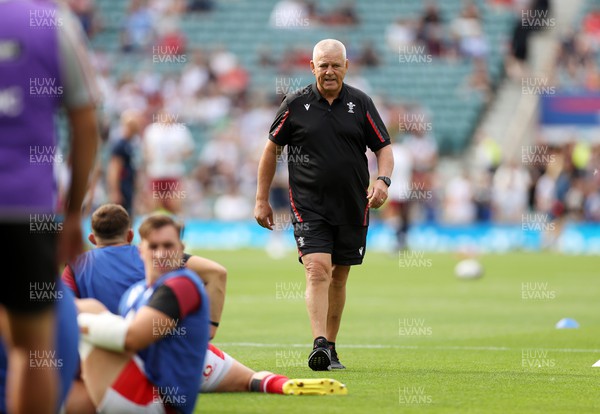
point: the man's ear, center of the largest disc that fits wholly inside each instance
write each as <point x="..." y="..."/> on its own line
<point x="312" y="66"/>
<point x="92" y="239"/>
<point x="129" y="236"/>
<point x="346" y="64"/>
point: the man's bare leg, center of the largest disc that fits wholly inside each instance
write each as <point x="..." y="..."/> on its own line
<point x="318" y="269"/>
<point x="30" y="340"/>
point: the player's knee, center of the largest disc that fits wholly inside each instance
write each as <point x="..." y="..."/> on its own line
<point x="317" y="272"/>
<point x="338" y="283"/>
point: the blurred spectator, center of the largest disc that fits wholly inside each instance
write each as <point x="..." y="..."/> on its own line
<point x="488" y="153"/>
<point x="121" y="171"/>
<point x="368" y="56"/>
<point x="195" y="75"/>
<point x="510" y="192"/>
<point x="400" y="193"/>
<point x="430" y="31"/>
<point x="459" y="207"/>
<point x="401" y="35"/>
<point x="138" y="30"/>
<point x="218" y="163"/>
<point x="482" y="195"/>
<point x="344" y="14"/>
<point x="423" y="149"/>
<point x="477" y="83"/>
<point x="468" y="31"/>
<point x="233" y="206"/>
<point x="167" y="143"/>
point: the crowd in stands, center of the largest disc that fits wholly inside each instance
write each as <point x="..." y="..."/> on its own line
<point x="212" y="93"/>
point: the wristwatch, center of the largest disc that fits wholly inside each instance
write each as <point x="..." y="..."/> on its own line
<point x="385" y="179"/>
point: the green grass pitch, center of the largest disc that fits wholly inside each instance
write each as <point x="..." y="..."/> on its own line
<point x="417" y="340"/>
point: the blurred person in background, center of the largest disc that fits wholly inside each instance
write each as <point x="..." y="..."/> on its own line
<point x="430" y="31"/>
<point x="121" y="171"/>
<point x="468" y="31"/>
<point x="510" y="192"/>
<point x="423" y="149"/>
<point x="400" y="201"/>
<point x="167" y="144"/>
<point x="138" y="30"/>
<point x="459" y="207"/>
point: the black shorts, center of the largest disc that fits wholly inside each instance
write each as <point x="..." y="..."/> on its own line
<point x="346" y="244"/>
<point x="29" y="266"/>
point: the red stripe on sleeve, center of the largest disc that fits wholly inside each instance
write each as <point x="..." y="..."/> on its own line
<point x="68" y="279"/>
<point x="285" y="116"/>
<point x="186" y="293"/>
<point x="375" y="127"/>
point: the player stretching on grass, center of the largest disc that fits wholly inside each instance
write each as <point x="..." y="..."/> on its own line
<point x="158" y="341"/>
<point x="108" y="275"/>
<point x="328" y="126"/>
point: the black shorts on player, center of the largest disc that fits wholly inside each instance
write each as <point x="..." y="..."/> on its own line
<point x="30" y="268"/>
<point x="345" y="243"/>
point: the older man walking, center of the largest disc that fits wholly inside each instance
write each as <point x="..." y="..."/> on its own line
<point x="327" y="126"/>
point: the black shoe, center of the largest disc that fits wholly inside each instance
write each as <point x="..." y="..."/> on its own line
<point x="335" y="362"/>
<point x="320" y="357"/>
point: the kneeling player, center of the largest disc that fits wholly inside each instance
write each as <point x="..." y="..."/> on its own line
<point x="149" y="371"/>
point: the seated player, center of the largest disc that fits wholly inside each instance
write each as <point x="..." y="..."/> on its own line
<point x="106" y="272"/>
<point x="65" y="360"/>
<point x="221" y="372"/>
<point x="132" y="367"/>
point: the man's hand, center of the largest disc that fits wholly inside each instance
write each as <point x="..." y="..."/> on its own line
<point x="378" y="194"/>
<point x="263" y="213"/>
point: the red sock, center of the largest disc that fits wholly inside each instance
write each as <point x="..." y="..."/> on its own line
<point x="273" y="384"/>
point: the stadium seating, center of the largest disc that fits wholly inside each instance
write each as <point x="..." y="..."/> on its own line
<point x="242" y="27"/>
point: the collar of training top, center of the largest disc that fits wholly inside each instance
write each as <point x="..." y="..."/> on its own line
<point x="320" y="97"/>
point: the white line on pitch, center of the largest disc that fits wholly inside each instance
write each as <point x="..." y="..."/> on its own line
<point x="441" y="347"/>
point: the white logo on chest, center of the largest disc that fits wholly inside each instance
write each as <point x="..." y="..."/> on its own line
<point x="350" y="107"/>
<point x="307" y="106"/>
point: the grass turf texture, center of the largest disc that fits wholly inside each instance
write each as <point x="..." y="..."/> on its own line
<point x="466" y="346"/>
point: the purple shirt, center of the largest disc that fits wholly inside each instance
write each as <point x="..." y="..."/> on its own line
<point x="42" y="62"/>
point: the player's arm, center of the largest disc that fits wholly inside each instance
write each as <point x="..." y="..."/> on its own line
<point x="89" y="305"/>
<point x="279" y="136"/>
<point x="263" y="213"/>
<point x="169" y="304"/>
<point x="377" y="139"/>
<point x="214" y="277"/>
<point x="385" y="161"/>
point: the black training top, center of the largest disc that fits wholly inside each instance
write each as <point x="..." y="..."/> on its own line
<point x="326" y="153"/>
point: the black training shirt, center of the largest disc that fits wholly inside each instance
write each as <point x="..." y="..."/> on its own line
<point x="326" y="153"/>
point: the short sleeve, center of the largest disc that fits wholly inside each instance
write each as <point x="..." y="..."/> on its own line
<point x="376" y="133"/>
<point x="280" y="129"/>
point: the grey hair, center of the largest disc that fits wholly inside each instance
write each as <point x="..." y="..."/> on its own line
<point x="329" y="43"/>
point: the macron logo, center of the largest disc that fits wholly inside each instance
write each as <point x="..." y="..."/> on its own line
<point x="307" y="106"/>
